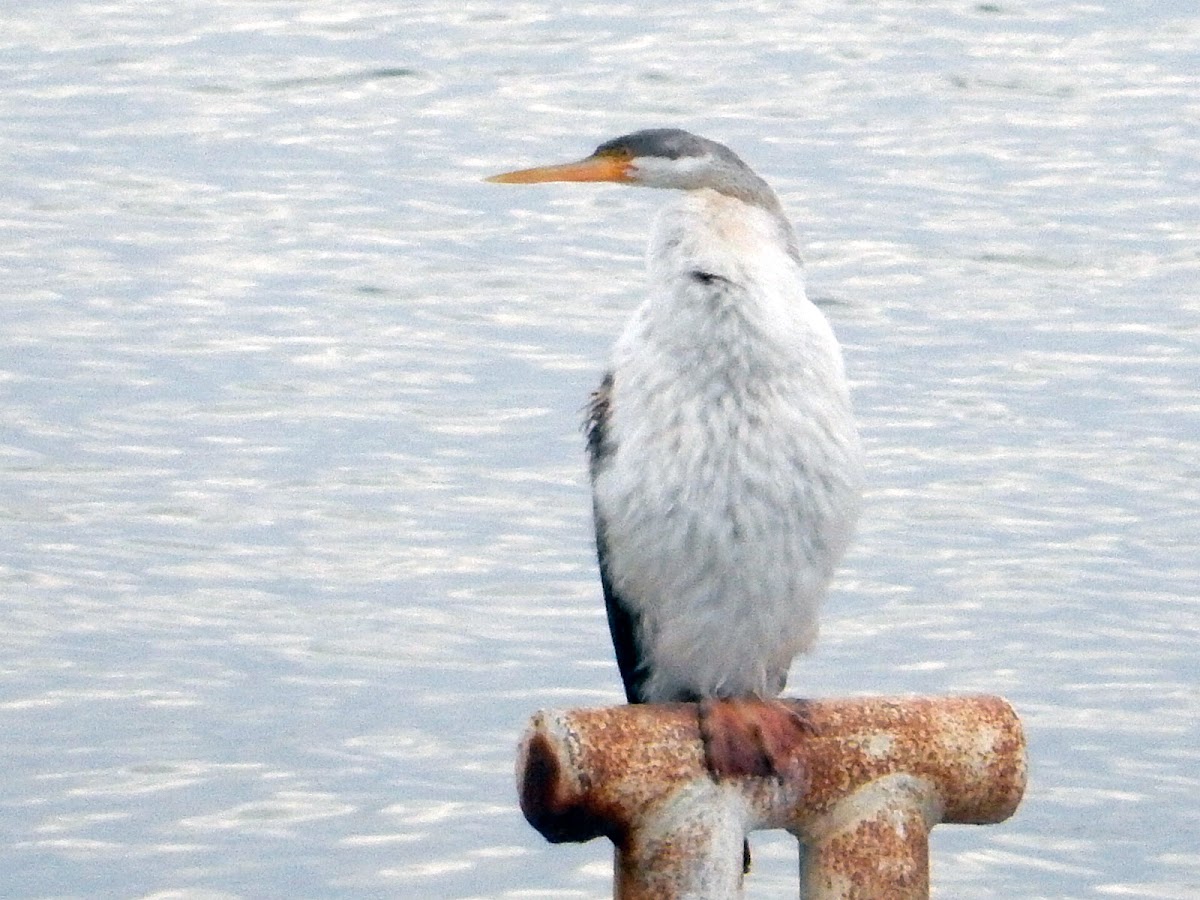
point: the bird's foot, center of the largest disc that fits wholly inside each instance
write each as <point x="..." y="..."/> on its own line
<point x="751" y="737"/>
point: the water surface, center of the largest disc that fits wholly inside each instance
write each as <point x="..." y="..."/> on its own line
<point x="295" y="521"/>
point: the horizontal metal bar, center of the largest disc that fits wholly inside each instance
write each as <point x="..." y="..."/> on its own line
<point x="873" y="778"/>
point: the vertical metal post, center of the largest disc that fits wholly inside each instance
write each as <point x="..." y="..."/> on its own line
<point x="683" y="854"/>
<point x="879" y="848"/>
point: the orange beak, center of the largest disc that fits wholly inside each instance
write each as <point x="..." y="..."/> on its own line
<point x="594" y="168"/>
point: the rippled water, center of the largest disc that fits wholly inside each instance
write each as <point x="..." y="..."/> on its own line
<point x="295" y="523"/>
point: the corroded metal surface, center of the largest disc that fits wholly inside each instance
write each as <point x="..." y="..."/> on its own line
<point x="876" y="776"/>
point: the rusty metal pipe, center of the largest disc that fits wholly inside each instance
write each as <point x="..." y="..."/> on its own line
<point x="878" y="774"/>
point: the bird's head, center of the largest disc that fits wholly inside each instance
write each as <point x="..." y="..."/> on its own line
<point x="661" y="158"/>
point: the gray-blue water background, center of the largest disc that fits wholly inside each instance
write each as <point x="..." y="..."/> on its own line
<point x="294" y="525"/>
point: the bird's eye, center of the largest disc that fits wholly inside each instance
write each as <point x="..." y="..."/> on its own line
<point x="621" y="153"/>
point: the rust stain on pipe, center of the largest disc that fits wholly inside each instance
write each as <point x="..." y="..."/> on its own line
<point x="878" y="774"/>
<point x="971" y="747"/>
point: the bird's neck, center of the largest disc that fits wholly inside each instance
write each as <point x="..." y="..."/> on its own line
<point x="745" y="244"/>
<point x="727" y="292"/>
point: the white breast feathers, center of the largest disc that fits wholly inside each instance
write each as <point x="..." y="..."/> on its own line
<point x="733" y="484"/>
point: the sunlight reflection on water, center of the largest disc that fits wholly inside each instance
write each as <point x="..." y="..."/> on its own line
<point x="297" y="530"/>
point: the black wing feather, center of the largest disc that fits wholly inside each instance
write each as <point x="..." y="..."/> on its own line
<point x="623" y="624"/>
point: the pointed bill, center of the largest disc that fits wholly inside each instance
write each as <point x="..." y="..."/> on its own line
<point x="594" y="168"/>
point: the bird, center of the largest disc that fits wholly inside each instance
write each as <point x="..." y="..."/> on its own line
<point x="724" y="457"/>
